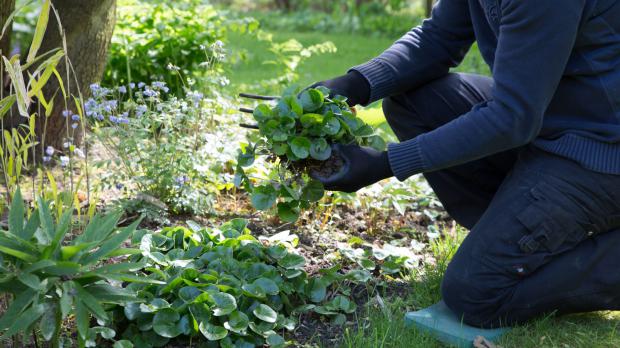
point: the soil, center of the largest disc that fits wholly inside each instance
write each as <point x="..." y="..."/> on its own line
<point x="327" y="168"/>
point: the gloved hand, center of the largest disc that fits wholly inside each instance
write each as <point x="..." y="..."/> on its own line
<point x="363" y="166"/>
<point x="353" y="85"/>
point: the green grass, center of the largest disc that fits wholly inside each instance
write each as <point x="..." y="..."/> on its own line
<point x="383" y="326"/>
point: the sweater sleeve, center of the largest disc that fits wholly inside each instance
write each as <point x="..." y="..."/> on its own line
<point x="535" y="42"/>
<point x="423" y="54"/>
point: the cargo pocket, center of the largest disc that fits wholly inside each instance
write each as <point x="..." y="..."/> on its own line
<point x="557" y="219"/>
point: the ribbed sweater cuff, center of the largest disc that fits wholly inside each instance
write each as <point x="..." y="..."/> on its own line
<point x="379" y="78"/>
<point x="406" y="159"/>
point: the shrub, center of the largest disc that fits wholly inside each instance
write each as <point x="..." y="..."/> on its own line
<point x="152" y="36"/>
<point x="296" y="135"/>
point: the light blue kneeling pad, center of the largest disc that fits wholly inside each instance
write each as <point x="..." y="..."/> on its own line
<point x="439" y="321"/>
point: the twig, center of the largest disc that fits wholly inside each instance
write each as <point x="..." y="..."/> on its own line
<point x="247" y="110"/>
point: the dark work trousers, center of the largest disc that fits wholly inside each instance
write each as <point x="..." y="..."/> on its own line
<point x="545" y="232"/>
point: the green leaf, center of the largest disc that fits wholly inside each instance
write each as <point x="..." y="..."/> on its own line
<point x="237" y="322"/>
<point x="320" y="149"/>
<point x="275" y="340"/>
<point x="311" y="120"/>
<point x="279" y="148"/>
<point x="48" y="322"/>
<point x="317" y="290"/>
<point x="6" y="104"/>
<point x="246" y="156"/>
<point x="269" y="286"/>
<point x="224" y="303"/>
<point x="262" y="113"/>
<point x="311" y="100"/>
<point x="31" y="226"/>
<point x="111" y="244"/>
<point x="292" y="261"/>
<point x="377" y="143"/>
<point x="300" y="147"/>
<point x="344" y="304"/>
<point x="91" y="302"/>
<point x="212" y="332"/>
<point x="165" y="323"/>
<point x="39" y="31"/>
<point x="265" y="313"/>
<point x="99" y="228"/>
<point x="189" y="293"/>
<point x="313" y="191"/>
<point x="331" y="125"/>
<point x="19" y="304"/>
<point x="27" y="318"/>
<point x="253" y="290"/>
<point x="16" y="215"/>
<point x="288" y="213"/>
<point x="82" y="318"/>
<point x="47" y="222"/>
<point x="123" y="344"/>
<point x="30" y="280"/>
<point x="264" y="197"/>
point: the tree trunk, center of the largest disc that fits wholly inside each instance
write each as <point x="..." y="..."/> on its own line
<point x="429" y="7"/>
<point x="88" y="26"/>
<point x="6" y="8"/>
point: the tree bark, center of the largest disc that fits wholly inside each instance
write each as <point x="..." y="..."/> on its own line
<point x="429" y="7"/>
<point x="6" y="8"/>
<point x="88" y="26"/>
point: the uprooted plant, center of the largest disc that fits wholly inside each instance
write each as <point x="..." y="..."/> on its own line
<point x="296" y="136"/>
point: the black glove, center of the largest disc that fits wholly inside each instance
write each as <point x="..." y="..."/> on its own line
<point x="353" y="85"/>
<point x="363" y="166"/>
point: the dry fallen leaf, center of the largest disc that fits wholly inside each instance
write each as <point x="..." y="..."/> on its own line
<point x="481" y="342"/>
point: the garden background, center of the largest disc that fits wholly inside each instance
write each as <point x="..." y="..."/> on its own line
<point x="134" y="215"/>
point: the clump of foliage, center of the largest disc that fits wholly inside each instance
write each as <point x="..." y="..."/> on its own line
<point x="296" y="135"/>
<point x="224" y="285"/>
<point x="52" y="274"/>
<point x="151" y="36"/>
<point x="172" y="149"/>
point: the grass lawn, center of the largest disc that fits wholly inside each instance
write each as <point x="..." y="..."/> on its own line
<point x="384" y="324"/>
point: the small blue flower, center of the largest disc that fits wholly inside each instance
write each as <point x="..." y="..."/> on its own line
<point x="67" y="113"/>
<point x="141" y="110"/>
<point x="64" y="161"/>
<point x="47" y="159"/>
<point x="119" y="186"/>
<point x="113" y="119"/>
<point x="150" y="93"/>
<point x="122" y="89"/>
<point x="74" y="126"/>
<point x="132" y="85"/>
<point x="49" y="151"/>
<point x="124" y="121"/>
<point x="75" y="117"/>
<point x="159" y="84"/>
<point x="141" y="85"/>
<point x="95" y="87"/>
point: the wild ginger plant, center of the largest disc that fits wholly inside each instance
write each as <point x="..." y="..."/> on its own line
<point x="296" y="136"/>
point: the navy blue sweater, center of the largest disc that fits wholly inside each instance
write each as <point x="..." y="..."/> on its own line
<point x="556" y="71"/>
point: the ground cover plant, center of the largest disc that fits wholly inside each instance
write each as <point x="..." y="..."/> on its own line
<point x="297" y="135"/>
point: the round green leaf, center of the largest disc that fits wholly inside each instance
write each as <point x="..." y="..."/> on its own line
<point x="270" y="287"/>
<point x="311" y="100"/>
<point x="318" y="290"/>
<point x="212" y="332"/>
<point x="313" y="191"/>
<point x="300" y="147"/>
<point x="264" y="197"/>
<point x="310" y="120"/>
<point x="253" y="290"/>
<point x="331" y="125"/>
<point x="224" y="303"/>
<point x="189" y="293"/>
<point x="279" y="148"/>
<point x="377" y="143"/>
<point x="320" y="149"/>
<point x="262" y="113"/>
<point x="275" y="340"/>
<point x="292" y="261"/>
<point x="265" y="313"/>
<point x="237" y="322"/>
<point x="165" y="323"/>
<point x="288" y="213"/>
<point x="123" y="344"/>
